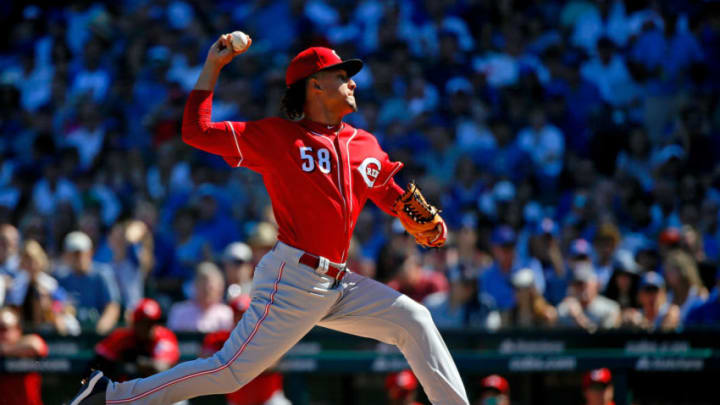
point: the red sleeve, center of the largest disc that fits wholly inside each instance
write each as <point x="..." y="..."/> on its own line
<point x="111" y="347"/>
<point x="239" y="143"/>
<point x="385" y="191"/>
<point x="214" y="341"/>
<point x="385" y="197"/>
<point x="42" y="348"/>
<point x="166" y="346"/>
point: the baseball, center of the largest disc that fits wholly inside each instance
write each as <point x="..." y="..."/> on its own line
<point x="240" y="41"/>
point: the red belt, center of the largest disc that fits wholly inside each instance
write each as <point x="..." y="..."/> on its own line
<point x="330" y="269"/>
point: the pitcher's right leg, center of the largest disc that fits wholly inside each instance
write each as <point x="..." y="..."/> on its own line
<point x="282" y="311"/>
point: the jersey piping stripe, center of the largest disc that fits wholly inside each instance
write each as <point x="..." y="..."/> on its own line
<point x="221" y="367"/>
<point x="390" y="176"/>
<point x="347" y="155"/>
<point x="237" y="145"/>
<point x="339" y="167"/>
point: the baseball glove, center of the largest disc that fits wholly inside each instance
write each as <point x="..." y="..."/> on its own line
<point x="420" y="219"/>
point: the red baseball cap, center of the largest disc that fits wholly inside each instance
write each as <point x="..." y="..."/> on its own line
<point x="315" y="59"/>
<point x="400" y="384"/>
<point x="597" y="376"/>
<point x="496" y="382"/>
<point x="147" y="309"/>
<point x="240" y="303"/>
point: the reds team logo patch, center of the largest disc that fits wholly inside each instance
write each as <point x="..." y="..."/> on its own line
<point x="369" y="170"/>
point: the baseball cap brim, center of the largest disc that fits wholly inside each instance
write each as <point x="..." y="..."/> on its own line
<point x="350" y="66"/>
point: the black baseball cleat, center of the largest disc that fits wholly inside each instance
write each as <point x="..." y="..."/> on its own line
<point x="92" y="391"/>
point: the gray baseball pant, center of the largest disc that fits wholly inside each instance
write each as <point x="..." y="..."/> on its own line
<point x="288" y="299"/>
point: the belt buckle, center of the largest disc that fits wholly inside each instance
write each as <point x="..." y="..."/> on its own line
<point x="323" y="265"/>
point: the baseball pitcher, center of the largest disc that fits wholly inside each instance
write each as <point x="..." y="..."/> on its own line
<point x="319" y="172"/>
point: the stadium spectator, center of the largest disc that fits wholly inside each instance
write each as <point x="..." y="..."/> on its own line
<point x="262" y="239"/>
<point x="606" y="241"/>
<point x="584" y="307"/>
<point x="91" y="287"/>
<point x="461" y="305"/>
<point x="213" y="224"/>
<point x="237" y="263"/>
<point x="656" y="312"/>
<point x="545" y="144"/>
<point x="205" y="312"/>
<point x="545" y="246"/>
<point x="496" y="279"/>
<point x="39" y="297"/>
<point x="598" y="387"/>
<point x="131" y="247"/>
<point x="494" y="390"/>
<point x="685" y="289"/>
<point x="19" y="388"/>
<point x="401" y="388"/>
<point x="190" y="250"/>
<point x="410" y="278"/>
<point x="265" y="389"/>
<point x="609" y="72"/>
<point x="530" y="310"/>
<point x="707" y="313"/>
<point x="625" y="281"/>
<point x="139" y="350"/>
<point x="9" y="258"/>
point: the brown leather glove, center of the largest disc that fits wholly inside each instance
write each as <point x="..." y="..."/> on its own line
<point x="420" y="219"/>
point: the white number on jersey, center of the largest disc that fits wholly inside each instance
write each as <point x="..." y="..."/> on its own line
<point x="323" y="159"/>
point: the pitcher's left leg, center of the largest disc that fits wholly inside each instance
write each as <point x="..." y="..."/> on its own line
<point x="371" y="309"/>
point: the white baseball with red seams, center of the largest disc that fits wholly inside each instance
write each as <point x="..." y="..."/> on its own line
<point x="239" y="40"/>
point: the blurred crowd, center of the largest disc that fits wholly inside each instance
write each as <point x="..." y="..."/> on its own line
<point x="573" y="146"/>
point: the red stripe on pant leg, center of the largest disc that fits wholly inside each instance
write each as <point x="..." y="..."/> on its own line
<point x="220" y="368"/>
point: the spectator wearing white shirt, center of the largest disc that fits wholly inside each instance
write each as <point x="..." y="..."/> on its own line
<point x="205" y="312"/>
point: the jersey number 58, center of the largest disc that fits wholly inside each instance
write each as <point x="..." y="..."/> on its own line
<point x="323" y="159"/>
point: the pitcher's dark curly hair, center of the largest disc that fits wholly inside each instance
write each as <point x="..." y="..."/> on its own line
<point x="293" y="102"/>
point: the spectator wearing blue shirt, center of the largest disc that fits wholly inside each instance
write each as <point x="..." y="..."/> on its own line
<point x="496" y="279"/>
<point x="461" y="306"/>
<point x="708" y="312"/>
<point x="90" y="286"/>
<point x="545" y="246"/>
<point x="214" y="223"/>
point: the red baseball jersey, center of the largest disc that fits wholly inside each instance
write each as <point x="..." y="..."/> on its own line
<point x="122" y="343"/>
<point x="318" y="177"/>
<point x="257" y="391"/>
<point x="22" y="388"/>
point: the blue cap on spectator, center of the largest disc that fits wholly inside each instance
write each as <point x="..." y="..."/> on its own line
<point x="546" y="227"/>
<point x="646" y="245"/>
<point x="458" y="84"/>
<point x="652" y="279"/>
<point x="504" y="235"/>
<point x="503" y="191"/>
<point x="533" y="212"/>
<point x="579" y="248"/>
<point x="667" y="153"/>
